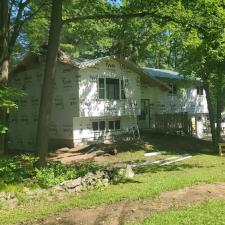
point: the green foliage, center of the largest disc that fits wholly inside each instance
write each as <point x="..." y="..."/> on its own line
<point x="18" y="169"/>
<point x="116" y="175"/>
<point x="8" y="96"/>
<point x="56" y="173"/>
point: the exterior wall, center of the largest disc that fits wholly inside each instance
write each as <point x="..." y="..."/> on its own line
<point x="186" y="100"/>
<point x="93" y="109"/>
<point x="23" y="123"/>
<point x="92" y="106"/>
<point x="65" y="106"/>
<point x="83" y="133"/>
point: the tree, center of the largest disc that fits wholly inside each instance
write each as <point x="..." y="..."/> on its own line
<point x="47" y="90"/>
<point x="13" y="15"/>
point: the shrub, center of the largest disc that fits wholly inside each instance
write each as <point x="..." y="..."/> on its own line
<point x="17" y="168"/>
<point x="56" y="173"/>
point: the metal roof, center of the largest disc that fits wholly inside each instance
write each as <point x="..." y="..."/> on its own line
<point x="168" y="74"/>
<point x="163" y="73"/>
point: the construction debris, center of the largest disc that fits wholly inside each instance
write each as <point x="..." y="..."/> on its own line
<point x="175" y="159"/>
<point x="149" y="154"/>
<point x="163" y="162"/>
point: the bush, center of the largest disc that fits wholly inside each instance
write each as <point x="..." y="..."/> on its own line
<point x="56" y="173"/>
<point x="18" y="169"/>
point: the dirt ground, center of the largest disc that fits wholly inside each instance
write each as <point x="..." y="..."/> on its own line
<point x="125" y="211"/>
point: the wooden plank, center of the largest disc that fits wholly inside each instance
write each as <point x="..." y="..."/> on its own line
<point x="149" y="154"/>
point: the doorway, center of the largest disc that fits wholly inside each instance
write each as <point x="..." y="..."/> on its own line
<point x="144" y="119"/>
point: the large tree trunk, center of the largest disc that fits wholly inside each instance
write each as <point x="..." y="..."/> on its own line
<point x="4" y="63"/>
<point x="211" y="114"/>
<point x="47" y="88"/>
<point x="219" y="108"/>
<point x="219" y="103"/>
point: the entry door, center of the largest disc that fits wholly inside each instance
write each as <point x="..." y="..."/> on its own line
<point x="144" y="118"/>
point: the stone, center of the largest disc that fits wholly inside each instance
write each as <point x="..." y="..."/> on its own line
<point x="105" y="182"/>
<point x="70" y="184"/>
<point x="129" y="173"/>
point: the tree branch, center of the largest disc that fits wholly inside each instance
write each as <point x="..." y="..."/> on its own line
<point x="182" y="21"/>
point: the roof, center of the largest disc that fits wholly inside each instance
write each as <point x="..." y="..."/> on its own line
<point x="86" y="63"/>
<point x="80" y="62"/>
<point x="168" y="74"/>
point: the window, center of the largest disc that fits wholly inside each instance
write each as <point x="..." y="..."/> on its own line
<point x="98" y="125"/>
<point x="114" y="125"/>
<point x="111" y="125"/>
<point x="117" y="125"/>
<point x="122" y="89"/>
<point x="95" y="126"/>
<point x="112" y="88"/>
<point x="101" y="88"/>
<point x="199" y="90"/>
<point x="173" y="89"/>
<point x="101" y="125"/>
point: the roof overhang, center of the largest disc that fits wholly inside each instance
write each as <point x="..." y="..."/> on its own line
<point x="145" y="77"/>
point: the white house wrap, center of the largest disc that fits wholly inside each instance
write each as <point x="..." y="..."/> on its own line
<point x="93" y="100"/>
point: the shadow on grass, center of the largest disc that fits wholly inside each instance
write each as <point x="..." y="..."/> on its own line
<point x="175" y="144"/>
<point x="165" y="168"/>
<point x="172" y="144"/>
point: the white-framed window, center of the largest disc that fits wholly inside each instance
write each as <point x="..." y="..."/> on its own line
<point x="200" y="90"/>
<point x="114" y="124"/>
<point x="111" y="88"/>
<point x="98" y="125"/>
<point x="173" y="90"/>
<point x="102" y="125"/>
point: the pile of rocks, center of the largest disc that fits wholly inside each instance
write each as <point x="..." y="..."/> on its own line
<point x="87" y="182"/>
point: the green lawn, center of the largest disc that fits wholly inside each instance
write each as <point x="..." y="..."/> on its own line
<point x="207" y="213"/>
<point x="148" y="182"/>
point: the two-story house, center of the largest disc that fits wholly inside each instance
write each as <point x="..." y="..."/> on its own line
<point x="93" y="100"/>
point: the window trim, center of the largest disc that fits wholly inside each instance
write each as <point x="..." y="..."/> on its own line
<point x="107" y="125"/>
<point x="121" y="89"/>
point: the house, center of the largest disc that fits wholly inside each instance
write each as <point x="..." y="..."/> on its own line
<point x="186" y="95"/>
<point x="93" y="100"/>
<point x="97" y="100"/>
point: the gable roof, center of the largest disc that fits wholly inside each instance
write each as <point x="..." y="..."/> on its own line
<point x="87" y="63"/>
<point x="167" y="74"/>
<point x="80" y="63"/>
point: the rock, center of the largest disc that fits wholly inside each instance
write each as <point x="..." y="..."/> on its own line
<point x="129" y="173"/>
<point x="100" y="174"/>
<point x="105" y="182"/>
<point x="70" y="184"/>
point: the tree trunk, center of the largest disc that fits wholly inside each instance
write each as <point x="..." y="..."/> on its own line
<point x="47" y="88"/>
<point x="211" y="114"/>
<point x="219" y="103"/>
<point x="4" y="63"/>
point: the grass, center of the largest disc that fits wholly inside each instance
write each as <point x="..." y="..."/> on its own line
<point x="207" y="213"/>
<point x="148" y="182"/>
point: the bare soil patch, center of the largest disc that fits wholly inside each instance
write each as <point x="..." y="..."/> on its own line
<point x="119" y="213"/>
